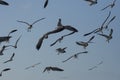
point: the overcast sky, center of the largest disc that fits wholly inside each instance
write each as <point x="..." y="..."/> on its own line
<point x="76" y="13"/>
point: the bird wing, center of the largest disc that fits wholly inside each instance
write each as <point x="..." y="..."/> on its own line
<point x="12" y="31"/>
<point x="111" y="32"/>
<point x="68" y="27"/>
<point x="37" y="20"/>
<point x="23" y="22"/>
<point x="3" y="3"/>
<point x="106" y="7"/>
<point x="6" y="69"/>
<point x="56" y="69"/>
<point x="104" y="35"/>
<point x="17" y="41"/>
<point x="68" y="59"/>
<point x="82" y="52"/>
<point x="45" y="69"/>
<point x="91" y="39"/>
<point x="46" y="3"/>
<point x="59" y="39"/>
<point x="12" y="56"/>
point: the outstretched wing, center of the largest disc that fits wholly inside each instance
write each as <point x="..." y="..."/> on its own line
<point x="57" y="69"/>
<point x="12" y="31"/>
<point x="12" y="56"/>
<point x="68" y="58"/>
<point x="106" y="7"/>
<point x="17" y="41"/>
<point x="23" y="22"/>
<point x="46" y="3"/>
<point x="111" y="32"/>
<point x="37" y="20"/>
<point x="3" y="3"/>
<point x="70" y="28"/>
<point x="91" y="39"/>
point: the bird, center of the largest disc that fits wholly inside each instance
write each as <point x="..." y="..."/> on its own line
<point x="15" y="46"/>
<point x="61" y="50"/>
<point x="85" y="44"/>
<point x="2" y="49"/>
<point x="30" y="25"/>
<point x="58" y="29"/>
<point x="92" y="2"/>
<point x="110" y="5"/>
<point x="11" y="58"/>
<point x="6" y="69"/>
<point x="46" y="3"/>
<point x="32" y="66"/>
<point x="52" y="68"/>
<point x="108" y="37"/>
<point x="12" y="31"/>
<point x="74" y="56"/>
<point x="4" y="3"/>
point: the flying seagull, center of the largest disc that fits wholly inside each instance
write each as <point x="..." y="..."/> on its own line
<point x="53" y="69"/>
<point x="3" y="3"/>
<point x="74" y="56"/>
<point x="6" y="69"/>
<point x="110" y="5"/>
<point x="85" y="44"/>
<point x="92" y="2"/>
<point x="46" y="3"/>
<point x="32" y="66"/>
<point x="108" y="37"/>
<point x="11" y="58"/>
<point x="30" y="25"/>
<point x="61" y="50"/>
<point x="58" y="29"/>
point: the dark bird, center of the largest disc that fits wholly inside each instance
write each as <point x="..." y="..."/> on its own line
<point x="61" y="50"/>
<point x="2" y="49"/>
<point x="30" y="25"/>
<point x="108" y="37"/>
<point x="46" y="3"/>
<point x="92" y="2"/>
<point x="3" y="3"/>
<point x="53" y="69"/>
<point x="32" y="66"/>
<point x="59" y="28"/>
<point x="74" y="56"/>
<point x="85" y="44"/>
<point x="11" y="58"/>
<point x="6" y="69"/>
<point x="16" y="43"/>
<point x="110" y="5"/>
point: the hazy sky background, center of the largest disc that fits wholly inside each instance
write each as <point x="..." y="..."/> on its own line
<point x="76" y="13"/>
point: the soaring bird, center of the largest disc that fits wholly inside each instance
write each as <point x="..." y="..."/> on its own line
<point x="110" y="5"/>
<point x="46" y="3"/>
<point x="32" y="66"/>
<point x="92" y="2"/>
<point x="85" y="44"/>
<point x="53" y="69"/>
<point x="3" y="3"/>
<point x="30" y="25"/>
<point x="15" y="46"/>
<point x="11" y="58"/>
<point x="2" y="49"/>
<point x="108" y="37"/>
<point x="74" y="56"/>
<point x="6" y="69"/>
<point x="58" y="29"/>
<point x="61" y="50"/>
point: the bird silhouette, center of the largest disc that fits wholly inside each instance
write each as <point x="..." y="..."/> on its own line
<point x="32" y="66"/>
<point x="3" y="3"/>
<point x="11" y="58"/>
<point x="30" y="25"/>
<point x="6" y="69"/>
<point x="16" y="43"/>
<point x="92" y="2"/>
<point x="46" y="3"/>
<point x="108" y="37"/>
<point x="110" y="5"/>
<point x="85" y="44"/>
<point x="53" y="69"/>
<point x="61" y="50"/>
<point x="74" y="56"/>
<point x="58" y="29"/>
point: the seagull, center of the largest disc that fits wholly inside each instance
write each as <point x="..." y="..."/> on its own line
<point x="92" y="2"/>
<point x="11" y="58"/>
<point x="58" y="29"/>
<point x="6" y="69"/>
<point x="85" y="44"/>
<point x="46" y="3"/>
<point x="61" y="50"/>
<point x="30" y="25"/>
<point x="15" y="46"/>
<point x="32" y="66"/>
<point x="53" y="69"/>
<point x="3" y="48"/>
<point x="108" y="37"/>
<point x="110" y="5"/>
<point x="3" y="3"/>
<point x="74" y="56"/>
